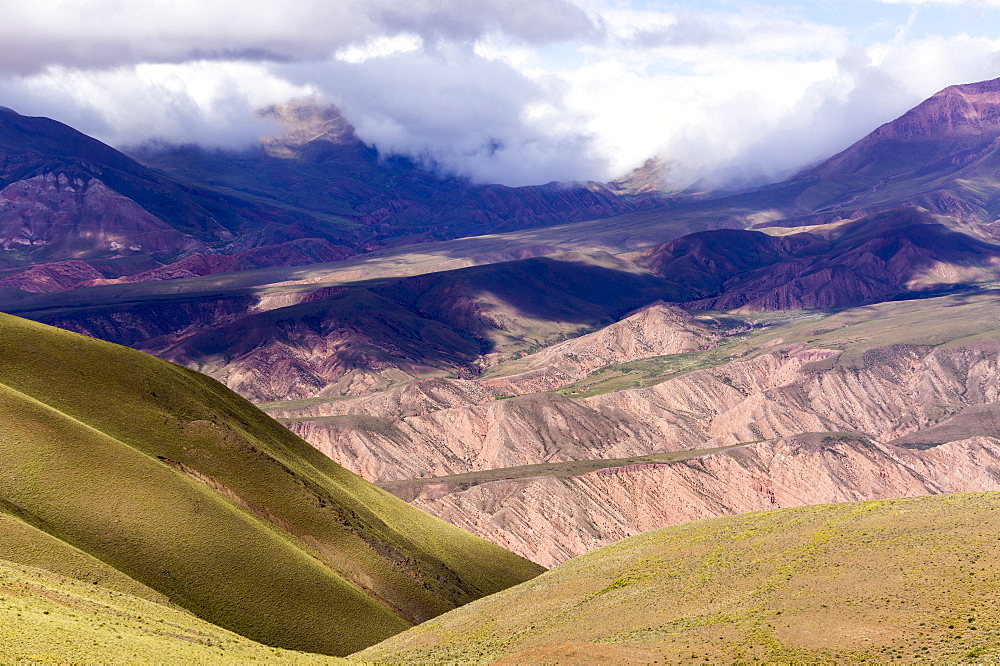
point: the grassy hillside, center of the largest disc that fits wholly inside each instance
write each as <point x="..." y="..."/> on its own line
<point x="912" y="579"/>
<point x="970" y="318"/>
<point x="178" y="484"/>
<point x="54" y="619"/>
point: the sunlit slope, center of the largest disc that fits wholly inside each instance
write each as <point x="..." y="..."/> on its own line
<point x="46" y="618"/>
<point x="902" y="579"/>
<point x="181" y="485"/>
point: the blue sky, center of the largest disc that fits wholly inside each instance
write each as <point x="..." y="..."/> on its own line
<point x="504" y="90"/>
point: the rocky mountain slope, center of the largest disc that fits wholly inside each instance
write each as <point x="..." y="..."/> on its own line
<point x="874" y="259"/>
<point x="125" y="471"/>
<point x="405" y="372"/>
<point x="65" y="196"/>
<point x="905" y="391"/>
<point x="941" y="155"/>
<point x="905" y="580"/>
<point x="314" y="194"/>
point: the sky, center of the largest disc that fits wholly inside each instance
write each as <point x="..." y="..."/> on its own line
<point x="504" y="91"/>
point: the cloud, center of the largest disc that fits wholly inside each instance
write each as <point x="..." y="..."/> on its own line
<point x="870" y="86"/>
<point x="210" y="103"/>
<point x="496" y="90"/>
<point x="90" y="34"/>
<point x="687" y="30"/>
<point x="995" y="4"/>
<point x="457" y="112"/>
<point x="536" y="22"/>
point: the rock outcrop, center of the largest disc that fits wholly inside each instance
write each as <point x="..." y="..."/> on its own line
<point x="896" y="391"/>
<point x="918" y="419"/>
<point x="551" y="519"/>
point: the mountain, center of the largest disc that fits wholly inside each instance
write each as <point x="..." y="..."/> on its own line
<point x="894" y="254"/>
<point x="68" y="197"/>
<point x="905" y="580"/>
<point x="319" y="164"/>
<point x="874" y="402"/>
<point x="129" y="472"/>
<point x="80" y="213"/>
<point x="942" y="155"/>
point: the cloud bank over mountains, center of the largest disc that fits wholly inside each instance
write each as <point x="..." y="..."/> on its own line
<point x="500" y="90"/>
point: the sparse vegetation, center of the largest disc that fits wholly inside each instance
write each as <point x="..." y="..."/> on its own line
<point x="870" y="581"/>
<point x="944" y="320"/>
<point x="563" y="469"/>
<point x="46" y="618"/>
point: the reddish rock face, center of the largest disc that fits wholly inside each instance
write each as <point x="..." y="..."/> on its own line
<point x="550" y="520"/>
<point x="965" y="110"/>
<point x="58" y="276"/>
<point x="896" y="397"/>
<point x="54" y="215"/>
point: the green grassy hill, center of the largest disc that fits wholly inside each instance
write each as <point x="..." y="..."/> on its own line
<point x="151" y="479"/>
<point x="46" y="618"/>
<point x="912" y="579"/>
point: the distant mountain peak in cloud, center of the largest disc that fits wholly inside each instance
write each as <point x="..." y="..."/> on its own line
<point x="305" y="120"/>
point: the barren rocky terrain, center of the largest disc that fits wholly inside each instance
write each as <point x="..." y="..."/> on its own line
<point x="826" y="338"/>
<point x="910" y="417"/>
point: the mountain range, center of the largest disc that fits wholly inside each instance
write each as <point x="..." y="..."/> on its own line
<point x="552" y="369"/>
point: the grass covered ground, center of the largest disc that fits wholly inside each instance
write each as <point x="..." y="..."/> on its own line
<point x="954" y="319"/>
<point x="169" y="480"/>
<point x="902" y="580"/>
<point x="46" y="618"/>
<point x="557" y="469"/>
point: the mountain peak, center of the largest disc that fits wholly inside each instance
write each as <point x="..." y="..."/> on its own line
<point x="961" y="110"/>
<point x="305" y="121"/>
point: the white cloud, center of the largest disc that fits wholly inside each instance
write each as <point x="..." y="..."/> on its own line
<point x="211" y="103"/>
<point x="498" y="90"/>
<point x="109" y="33"/>
<point x="458" y="112"/>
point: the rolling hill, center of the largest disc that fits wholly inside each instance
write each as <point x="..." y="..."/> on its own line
<point x="48" y="618"/>
<point x="151" y="479"/>
<point x="903" y="580"/>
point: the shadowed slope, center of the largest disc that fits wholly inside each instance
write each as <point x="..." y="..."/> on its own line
<point x="47" y="618"/>
<point x="878" y="258"/>
<point x="176" y="482"/>
<point x="370" y="334"/>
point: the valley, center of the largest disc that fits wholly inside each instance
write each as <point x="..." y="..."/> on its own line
<point x="368" y="401"/>
<point x="864" y="403"/>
